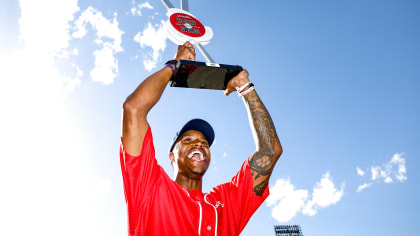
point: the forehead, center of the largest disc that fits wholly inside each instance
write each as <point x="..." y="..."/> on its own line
<point x="193" y="133"/>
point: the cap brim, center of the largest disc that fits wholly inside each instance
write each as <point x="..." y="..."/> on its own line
<point x="196" y="124"/>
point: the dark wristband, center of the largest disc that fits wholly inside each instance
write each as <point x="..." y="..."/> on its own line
<point x="172" y="67"/>
<point x="172" y="62"/>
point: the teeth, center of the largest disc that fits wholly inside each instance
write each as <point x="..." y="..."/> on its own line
<point x="196" y="152"/>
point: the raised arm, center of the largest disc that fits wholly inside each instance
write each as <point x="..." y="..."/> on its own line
<point x="145" y="96"/>
<point x="268" y="148"/>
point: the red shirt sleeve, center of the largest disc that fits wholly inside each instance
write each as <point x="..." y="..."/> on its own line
<point x="240" y="201"/>
<point x="139" y="173"/>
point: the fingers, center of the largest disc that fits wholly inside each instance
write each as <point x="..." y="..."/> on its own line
<point x="191" y="55"/>
<point x="244" y="73"/>
<point x="188" y="46"/>
<point x="186" y="52"/>
<point x="237" y="82"/>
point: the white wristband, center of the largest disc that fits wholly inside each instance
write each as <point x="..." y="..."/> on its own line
<point x="246" y="91"/>
<point x="243" y="87"/>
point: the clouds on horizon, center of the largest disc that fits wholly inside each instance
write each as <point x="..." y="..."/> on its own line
<point x="286" y="201"/>
<point x="324" y="194"/>
<point x="393" y="170"/>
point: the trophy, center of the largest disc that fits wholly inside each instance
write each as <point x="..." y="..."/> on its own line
<point x="182" y="26"/>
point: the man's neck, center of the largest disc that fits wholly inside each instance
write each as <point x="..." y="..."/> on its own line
<point x="189" y="183"/>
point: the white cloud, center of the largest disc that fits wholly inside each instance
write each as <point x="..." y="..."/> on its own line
<point x="360" y="172"/>
<point x="44" y="25"/>
<point x="149" y="64"/>
<point x="286" y="201"/>
<point x="324" y="194"/>
<point x="106" y="66"/>
<point x="43" y="140"/>
<point x="395" y="168"/>
<point x="44" y="40"/>
<point x="72" y="80"/>
<point x="375" y="172"/>
<point x="108" y="38"/>
<point x="47" y="176"/>
<point x="363" y="186"/>
<point x="399" y="162"/>
<point x="225" y="154"/>
<point x="154" y="38"/>
<point x="136" y="10"/>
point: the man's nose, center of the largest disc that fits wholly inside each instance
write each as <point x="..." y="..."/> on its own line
<point x="198" y="143"/>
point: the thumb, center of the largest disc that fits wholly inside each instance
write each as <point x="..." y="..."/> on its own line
<point x="227" y="92"/>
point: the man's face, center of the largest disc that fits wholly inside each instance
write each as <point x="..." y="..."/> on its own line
<point x="192" y="154"/>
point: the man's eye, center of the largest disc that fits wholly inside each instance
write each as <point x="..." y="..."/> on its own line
<point x="187" y="140"/>
<point x="205" y="143"/>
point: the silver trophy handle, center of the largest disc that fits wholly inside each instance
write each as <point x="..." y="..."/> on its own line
<point x="184" y="5"/>
<point x="167" y="4"/>
<point x="205" y="54"/>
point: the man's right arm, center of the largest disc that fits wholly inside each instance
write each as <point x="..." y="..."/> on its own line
<point x="138" y="104"/>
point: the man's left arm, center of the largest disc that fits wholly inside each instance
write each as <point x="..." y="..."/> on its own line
<point x="268" y="147"/>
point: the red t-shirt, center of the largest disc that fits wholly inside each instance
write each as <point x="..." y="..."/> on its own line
<point x="157" y="205"/>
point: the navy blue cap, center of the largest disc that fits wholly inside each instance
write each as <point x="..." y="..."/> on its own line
<point x="196" y="124"/>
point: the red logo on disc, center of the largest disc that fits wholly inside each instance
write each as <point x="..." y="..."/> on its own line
<point x="187" y="25"/>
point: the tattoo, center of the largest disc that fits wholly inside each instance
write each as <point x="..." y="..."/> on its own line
<point x="259" y="188"/>
<point x="259" y="164"/>
<point x="262" y="161"/>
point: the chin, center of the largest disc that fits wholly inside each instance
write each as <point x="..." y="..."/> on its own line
<point x="199" y="172"/>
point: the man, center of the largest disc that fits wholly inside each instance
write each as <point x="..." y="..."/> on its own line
<point x="158" y="205"/>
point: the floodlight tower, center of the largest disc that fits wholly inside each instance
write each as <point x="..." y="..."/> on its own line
<point x="287" y="230"/>
<point x="175" y="34"/>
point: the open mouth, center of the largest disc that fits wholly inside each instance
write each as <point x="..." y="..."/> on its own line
<point x="196" y="155"/>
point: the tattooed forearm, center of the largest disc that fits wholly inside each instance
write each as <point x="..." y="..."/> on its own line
<point x="268" y="145"/>
<point x="261" y="121"/>
<point x="259" y="188"/>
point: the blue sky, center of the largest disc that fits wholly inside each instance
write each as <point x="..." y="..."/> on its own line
<point x="341" y="80"/>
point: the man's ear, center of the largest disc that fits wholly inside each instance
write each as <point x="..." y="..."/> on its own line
<point x="171" y="157"/>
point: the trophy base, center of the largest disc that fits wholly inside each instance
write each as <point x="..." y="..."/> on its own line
<point x="195" y="74"/>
